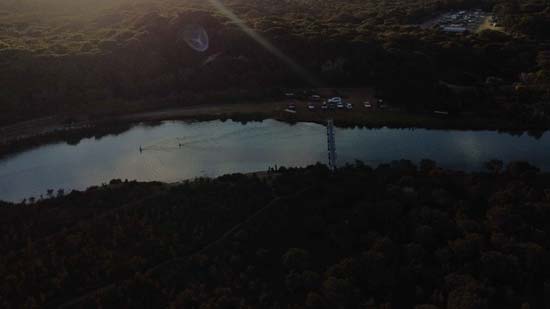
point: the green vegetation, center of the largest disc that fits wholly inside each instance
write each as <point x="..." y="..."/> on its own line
<point x="397" y="236"/>
<point x="61" y="57"/>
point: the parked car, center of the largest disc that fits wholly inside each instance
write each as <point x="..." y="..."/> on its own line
<point x="340" y="105"/>
<point x="367" y="104"/>
<point x="311" y="106"/>
<point x="349" y="106"/>
<point x="291" y="106"/>
<point x="324" y="106"/>
<point x="335" y="100"/>
<point x="316" y="97"/>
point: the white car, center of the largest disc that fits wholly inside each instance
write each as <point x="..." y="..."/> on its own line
<point x="335" y="100"/>
<point x="311" y="107"/>
<point x="340" y="105"/>
<point x="367" y="104"/>
<point x="349" y="106"/>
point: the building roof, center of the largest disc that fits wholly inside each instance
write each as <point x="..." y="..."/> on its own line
<point x="454" y="29"/>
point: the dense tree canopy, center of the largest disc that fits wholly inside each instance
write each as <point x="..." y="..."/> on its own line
<point x="397" y="236"/>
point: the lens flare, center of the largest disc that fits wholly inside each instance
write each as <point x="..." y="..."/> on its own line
<point x="196" y="37"/>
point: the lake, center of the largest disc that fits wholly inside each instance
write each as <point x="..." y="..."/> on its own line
<point x="178" y="150"/>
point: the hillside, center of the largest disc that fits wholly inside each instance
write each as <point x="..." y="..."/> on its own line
<point x="98" y="58"/>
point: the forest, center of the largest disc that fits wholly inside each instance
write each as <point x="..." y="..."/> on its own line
<point x="398" y="235"/>
<point x="100" y="58"/>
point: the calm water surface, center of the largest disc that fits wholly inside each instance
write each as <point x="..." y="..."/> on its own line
<point x="215" y="148"/>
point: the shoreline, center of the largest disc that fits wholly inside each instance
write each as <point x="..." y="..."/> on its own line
<point x="34" y="133"/>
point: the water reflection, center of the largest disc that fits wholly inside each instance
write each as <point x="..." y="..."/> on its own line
<point x="175" y="150"/>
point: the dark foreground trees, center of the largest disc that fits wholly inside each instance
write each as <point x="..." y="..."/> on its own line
<point x="396" y="236"/>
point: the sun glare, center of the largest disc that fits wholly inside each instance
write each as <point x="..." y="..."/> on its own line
<point x="265" y="43"/>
